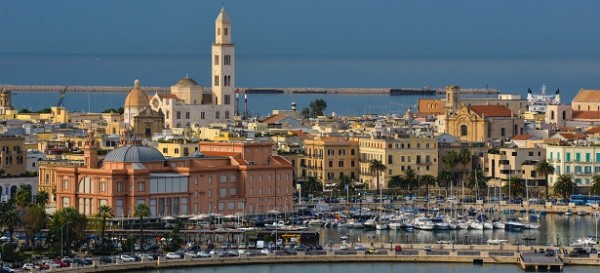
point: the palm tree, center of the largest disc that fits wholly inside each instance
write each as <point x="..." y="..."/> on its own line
<point x="515" y="187"/>
<point x="10" y="219"/>
<point x="428" y="180"/>
<point x="444" y="179"/>
<point x="377" y="167"/>
<point x="544" y="168"/>
<point x="464" y="157"/>
<point x="451" y="159"/>
<point x="312" y="185"/>
<point x="476" y="176"/>
<point x="411" y="178"/>
<point x="394" y="182"/>
<point x="595" y="188"/>
<point x="141" y="211"/>
<point x="104" y="212"/>
<point x="23" y="196"/>
<point x="343" y="182"/>
<point x="41" y="198"/>
<point x="564" y="186"/>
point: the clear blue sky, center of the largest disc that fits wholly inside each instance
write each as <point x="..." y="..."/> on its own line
<point x="304" y="27"/>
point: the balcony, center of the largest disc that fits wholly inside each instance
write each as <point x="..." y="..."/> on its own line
<point x="424" y="163"/>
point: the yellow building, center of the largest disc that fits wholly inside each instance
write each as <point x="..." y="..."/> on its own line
<point x="12" y="155"/>
<point x="328" y="158"/>
<point x="480" y="123"/>
<point x="177" y="148"/>
<point x="398" y="155"/>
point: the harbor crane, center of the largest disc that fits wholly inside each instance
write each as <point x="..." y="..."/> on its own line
<point x="62" y="96"/>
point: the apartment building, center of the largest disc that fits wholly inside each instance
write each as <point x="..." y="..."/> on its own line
<point x="328" y="158"/>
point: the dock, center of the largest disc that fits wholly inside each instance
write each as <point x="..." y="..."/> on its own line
<point x="533" y="261"/>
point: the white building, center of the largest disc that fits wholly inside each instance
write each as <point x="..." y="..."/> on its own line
<point x="188" y="103"/>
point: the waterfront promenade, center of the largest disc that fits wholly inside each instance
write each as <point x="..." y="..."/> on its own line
<point x="440" y="253"/>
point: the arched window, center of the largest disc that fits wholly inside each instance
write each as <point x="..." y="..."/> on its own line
<point x="552" y="115"/>
<point x="85" y="185"/>
<point x="463" y="130"/>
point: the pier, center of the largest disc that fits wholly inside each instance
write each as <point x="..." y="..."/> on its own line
<point x="426" y="91"/>
<point x="536" y="261"/>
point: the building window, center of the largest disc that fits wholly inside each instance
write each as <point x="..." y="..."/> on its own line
<point x="65" y="184"/>
<point x="141" y="186"/>
<point x="226" y="31"/>
<point x="463" y="130"/>
<point x="222" y="192"/>
<point x="342" y="152"/>
<point x="232" y="191"/>
<point x="227" y="99"/>
<point x="226" y="114"/>
<point x="202" y="115"/>
<point x="351" y="151"/>
<point x="165" y="150"/>
<point x="227" y="59"/>
<point x="217" y="115"/>
<point x="119" y="186"/>
<point x="209" y="194"/>
<point x="178" y="115"/>
<point x="341" y="164"/>
<point x="176" y="151"/>
<point x="187" y="115"/>
<point x="502" y="132"/>
<point x="223" y="178"/>
<point x="216" y="80"/>
<point x="216" y="59"/>
<point x="330" y="163"/>
<point x="102" y="186"/>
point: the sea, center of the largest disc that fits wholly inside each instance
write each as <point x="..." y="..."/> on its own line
<point x="508" y="74"/>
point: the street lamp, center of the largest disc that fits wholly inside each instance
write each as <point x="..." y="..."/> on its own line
<point x="391" y="242"/>
<point x="517" y="246"/>
<point x="62" y="245"/>
<point x="557" y="239"/>
<point x="407" y="238"/>
<point x="466" y="239"/>
<point x="330" y="245"/>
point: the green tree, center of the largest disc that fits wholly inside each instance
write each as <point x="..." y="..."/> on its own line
<point x="305" y="113"/>
<point x="104" y="212"/>
<point x="10" y="220"/>
<point x="317" y="107"/>
<point x="312" y="185"/>
<point x="564" y="186"/>
<point x="343" y="182"/>
<point x="544" y="168"/>
<point x="451" y="160"/>
<point x="376" y="167"/>
<point x="395" y="182"/>
<point x="464" y="157"/>
<point x="41" y="198"/>
<point x="595" y="187"/>
<point x="427" y="180"/>
<point x="411" y="179"/>
<point x="23" y="196"/>
<point x="445" y="179"/>
<point x="141" y="211"/>
<point x="68" y="227"/>
<point x="35" y="220"/>
<point x="515" y="187"/>
<point x="477" y="176"/>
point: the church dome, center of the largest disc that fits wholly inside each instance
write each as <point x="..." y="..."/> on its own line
<point x="134" y="154"/>
<point x="136" y="97"/>
<point x="187" y="82"/>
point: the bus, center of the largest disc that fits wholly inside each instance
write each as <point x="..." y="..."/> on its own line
<point x="581" y="200"/>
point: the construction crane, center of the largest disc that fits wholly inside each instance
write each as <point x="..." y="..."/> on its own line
<point x="62" y="97"/>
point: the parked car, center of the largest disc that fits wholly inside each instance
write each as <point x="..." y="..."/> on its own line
<point x="106" y="260"/>
<point x="59" y="262"/>
<point x="203" y="254"/>
<point x="265" y="251"/>
<point x="251" y="245"/>
<point x="146" y="257"/>
<point x="172" y="255"/>
<point x="127" y="258"/>
<point x="359" y="247"/>
<point x="398" y="248"/>
<point x="190" y="254"/>
<point x="28" y="266"/>
<point x="549" y="252"/>
<point x="79" y="261"/>
<point x="242" y="245"/>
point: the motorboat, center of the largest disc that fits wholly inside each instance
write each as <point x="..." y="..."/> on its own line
<point x="316" y="222"/>
<point x="584" y="242"/>
<point x="381" y="226"/>
<point x="476" y="225"/>
<point x="423" y="223"/>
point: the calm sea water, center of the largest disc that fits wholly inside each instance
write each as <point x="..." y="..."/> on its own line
<point x="511" y="74"/>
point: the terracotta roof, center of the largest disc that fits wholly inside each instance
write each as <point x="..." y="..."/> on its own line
<point x="300" y="134"/>
<point x="593" y="130"/>
<point x="277" y="118"/>
<point x="522" y="137"/>
<point x="587" y="95"/>
<point x="586" y="115"/>
<point x="491" y="110"/>
<point x="572" y="135"/>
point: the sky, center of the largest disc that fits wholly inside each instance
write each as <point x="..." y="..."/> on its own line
<point x="304" y="27"/>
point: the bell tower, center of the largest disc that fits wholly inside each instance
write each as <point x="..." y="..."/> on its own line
<point x="90" y="150"/>
<point x="223" y="65"/>
<point x="452" y="98"/>
<point x="5" y="101"/>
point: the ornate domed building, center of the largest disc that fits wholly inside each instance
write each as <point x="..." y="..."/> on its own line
<point x="138" y="116"/>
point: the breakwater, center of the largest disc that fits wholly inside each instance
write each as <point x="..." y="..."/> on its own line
<point x="425" y="91"/>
